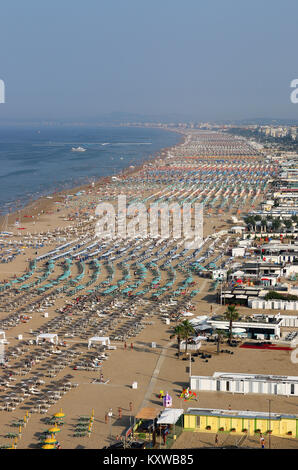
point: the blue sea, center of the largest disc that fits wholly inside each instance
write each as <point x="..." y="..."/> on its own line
<point x="39" y="161"/>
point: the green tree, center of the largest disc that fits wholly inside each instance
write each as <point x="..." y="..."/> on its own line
<point x="288" y="223"/>
<point x="276" y="224"/>
<point x="178" y="333"/>
<point x="188" y="331"/>
<point x="220" y="335"/>
<point x="231" y="315"/>
<point x="250" y="221"/>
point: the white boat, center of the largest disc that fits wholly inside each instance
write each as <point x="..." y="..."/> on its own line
<point x="78" y="149"/>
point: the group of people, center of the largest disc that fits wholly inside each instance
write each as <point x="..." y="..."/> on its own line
<point x="119" y="412"/>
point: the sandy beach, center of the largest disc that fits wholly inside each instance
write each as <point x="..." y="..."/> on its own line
<point x="70" y="299"/>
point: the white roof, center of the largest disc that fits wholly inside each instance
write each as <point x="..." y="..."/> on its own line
<point x="170" y="416"/>
<point x="47" y="335"/>
<point x="238" y="273"/>
<point x="100" y="339"/>
<point x="205" y="326"/>
<point x="199" y="319"/>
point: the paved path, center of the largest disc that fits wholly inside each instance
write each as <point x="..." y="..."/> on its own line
<point x="155" y="375"/>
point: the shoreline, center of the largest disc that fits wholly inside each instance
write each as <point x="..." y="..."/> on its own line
<point x="43" y="204"/>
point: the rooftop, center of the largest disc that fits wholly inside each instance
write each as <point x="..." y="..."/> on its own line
<point x="237" y="413"/>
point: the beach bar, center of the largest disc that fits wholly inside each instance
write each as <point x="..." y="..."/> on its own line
<point x="145" y="423"/>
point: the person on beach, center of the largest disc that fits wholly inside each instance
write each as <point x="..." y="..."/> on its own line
<point x="130" y="405"/>
<point x="119" y="412"/>
<point x="131" y="346"/>
<point x="125" y="345"/>
<point x="216" y="439"/>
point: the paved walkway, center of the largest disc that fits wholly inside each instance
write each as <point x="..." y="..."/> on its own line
<point x="155" y="375"/>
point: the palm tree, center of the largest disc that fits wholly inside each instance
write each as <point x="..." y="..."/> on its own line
<point x="178" y="333"/>
<point x="288" y="223"/>
<point x="231" y="315"/>
<point x="276" y="224"/>
<point x="250" y="222"/>
<point x="220" y="335"/>
<point x="188" y="330"/>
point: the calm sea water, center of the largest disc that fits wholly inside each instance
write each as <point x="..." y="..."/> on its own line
<point x="36" y="162"/>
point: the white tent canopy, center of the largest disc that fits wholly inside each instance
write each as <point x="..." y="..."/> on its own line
<point x="49" y="337"/>
<point x="170" y="416"/>
<point x="105" y="340"/>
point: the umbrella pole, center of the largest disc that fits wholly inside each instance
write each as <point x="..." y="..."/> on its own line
<point x="159" y="437"/>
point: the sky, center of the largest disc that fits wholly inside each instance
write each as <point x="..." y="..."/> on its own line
<point x="211" y="60"/>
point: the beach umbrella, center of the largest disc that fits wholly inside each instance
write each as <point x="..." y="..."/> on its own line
<point x="50" y="440"/>
<point x="54" y="429"/>
<point x="60" y="414"/>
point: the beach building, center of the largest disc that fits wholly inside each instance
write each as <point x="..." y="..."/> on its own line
<point x="238" y="251"/>
<point x="255" y="269"/>
<point x="240" y="422"/>
<point x="275" y="304"/>
<point x="237" y="229"/>
<point x="258" y="326"/>
<point x="193" y="344"/>
<point x="219" y="274"/>
<point x="280" y="252"/>
<point x="246" y="383"/>
<point x="239" y="295"/>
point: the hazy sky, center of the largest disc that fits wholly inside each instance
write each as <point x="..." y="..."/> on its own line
<point x="212" y="59"/>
